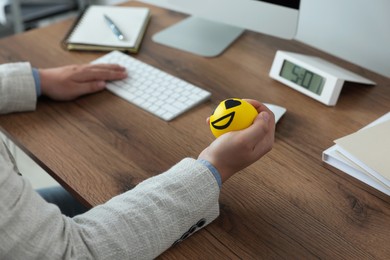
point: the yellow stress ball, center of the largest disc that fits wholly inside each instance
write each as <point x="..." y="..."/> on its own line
<point x="231" y="115"/>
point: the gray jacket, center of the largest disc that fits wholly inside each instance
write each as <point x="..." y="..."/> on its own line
<point x="138" y="224"/>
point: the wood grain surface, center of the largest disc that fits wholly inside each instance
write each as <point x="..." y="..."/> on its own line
<point x="288" y="205"/>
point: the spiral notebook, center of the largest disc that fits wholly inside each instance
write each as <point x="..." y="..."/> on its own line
<point x="91" y="32"/>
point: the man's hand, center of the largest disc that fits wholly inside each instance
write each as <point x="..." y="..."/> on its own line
<point x="234" y="151"/>
<point x="72" y="81"/>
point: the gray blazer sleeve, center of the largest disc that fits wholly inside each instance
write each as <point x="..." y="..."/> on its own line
<point x="138" y="224"/>
<point x="17" y="88"/>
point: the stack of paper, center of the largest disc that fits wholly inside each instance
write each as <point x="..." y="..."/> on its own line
<point x="365" y="154"/>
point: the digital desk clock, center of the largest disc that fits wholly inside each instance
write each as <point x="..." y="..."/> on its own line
<point x="312" y="76"/>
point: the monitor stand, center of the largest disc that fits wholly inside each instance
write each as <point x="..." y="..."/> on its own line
<point x="199" y="36"/>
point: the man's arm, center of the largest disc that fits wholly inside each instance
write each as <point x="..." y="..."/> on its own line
<point x="141" y="223"/>
<point x="19" y="92"/>
<point x="17" y="88"/>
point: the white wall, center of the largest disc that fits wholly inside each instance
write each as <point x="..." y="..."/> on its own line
<point x="355" y="30"/>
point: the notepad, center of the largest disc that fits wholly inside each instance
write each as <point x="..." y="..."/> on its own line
<point x="91" y="32"/>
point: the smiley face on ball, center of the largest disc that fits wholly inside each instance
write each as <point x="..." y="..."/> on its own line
<point x="231" y="115"/>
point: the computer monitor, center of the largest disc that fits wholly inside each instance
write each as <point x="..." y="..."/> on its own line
<point x="215" y="24"/>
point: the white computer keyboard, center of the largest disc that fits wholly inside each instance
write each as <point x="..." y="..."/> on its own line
<point x="152" y="89"/>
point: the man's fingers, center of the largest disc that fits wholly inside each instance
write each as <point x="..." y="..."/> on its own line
<point x="258" y="129"/>
<point x="106" y="66"/>
<point x="102" y="72"/>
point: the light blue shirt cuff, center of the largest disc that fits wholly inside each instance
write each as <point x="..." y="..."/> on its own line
<point x="37" y="81"/>
<point x="213" y="170"/>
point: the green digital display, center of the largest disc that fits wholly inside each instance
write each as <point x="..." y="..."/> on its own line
<point x="302" y="77"/>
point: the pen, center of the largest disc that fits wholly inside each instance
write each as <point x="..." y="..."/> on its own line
<point x="114" y="28"/>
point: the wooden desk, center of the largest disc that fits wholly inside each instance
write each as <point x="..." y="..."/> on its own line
<point x="287" y="205"/>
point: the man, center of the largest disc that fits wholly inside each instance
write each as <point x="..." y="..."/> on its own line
<point x="141" y="223"/>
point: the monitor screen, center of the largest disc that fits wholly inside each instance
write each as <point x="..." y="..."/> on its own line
<point x="214" y="24"/>
<point x="291" y="4"/>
